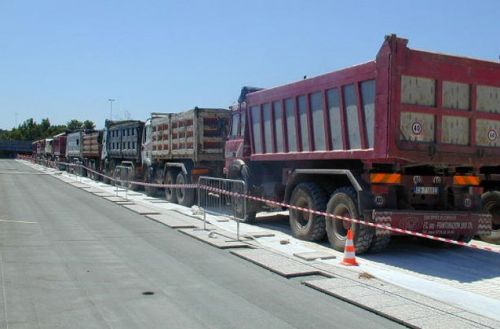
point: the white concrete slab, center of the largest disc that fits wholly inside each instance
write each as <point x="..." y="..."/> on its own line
<point x="276" y="263"/>
<point x="313" y="255"/>
<point x="174" y="220"/>
<point x="424" y="313"/>
<point x="215" y="240"/>
<point x="115" y="199"/>
<point x="142" y="210"/>
<point x="259" y="234"/>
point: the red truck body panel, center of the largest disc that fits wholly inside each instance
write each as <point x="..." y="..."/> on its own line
<point x="407" y="106"/>
<point x="92" y="144"/>
<point x="59" y="145"/>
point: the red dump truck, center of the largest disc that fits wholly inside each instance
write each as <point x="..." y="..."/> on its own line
<point x="180" y="147"/>
<point x="399" y="141"/>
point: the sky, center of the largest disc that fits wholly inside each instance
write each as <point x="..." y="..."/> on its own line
<point x="65" y="59"/>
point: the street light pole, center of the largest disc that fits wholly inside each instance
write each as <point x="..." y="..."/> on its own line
<point x="111" y="100"/>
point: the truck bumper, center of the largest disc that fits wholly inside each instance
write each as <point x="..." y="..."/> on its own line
<point x="439" y="223"/>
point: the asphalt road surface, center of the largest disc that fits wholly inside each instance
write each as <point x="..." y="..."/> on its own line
<point x="69" y="259"/>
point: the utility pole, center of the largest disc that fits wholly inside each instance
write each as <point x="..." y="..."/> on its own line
<point x="111" y="100"/>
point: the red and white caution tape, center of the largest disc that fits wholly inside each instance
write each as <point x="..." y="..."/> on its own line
<point x="288" y="206"/>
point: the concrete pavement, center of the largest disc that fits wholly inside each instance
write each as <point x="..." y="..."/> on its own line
<point x="70" y="259"/>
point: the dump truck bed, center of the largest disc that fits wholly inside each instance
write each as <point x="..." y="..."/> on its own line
<point x="407" y="106"/>
<point x="124" y="139"/>
<point x="92" y="145"/>
<point x="197" y="134"/>
<point x="74" y="145"/>
<point x="59" y="145"/>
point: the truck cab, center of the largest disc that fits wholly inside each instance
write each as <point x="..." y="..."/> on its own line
<point x="237" y="147"/>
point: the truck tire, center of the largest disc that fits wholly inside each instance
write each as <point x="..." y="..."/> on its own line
<point x="238" y="209"/>
<point x="170" y="194"/>
<point x="250" y="216"/>
<point x="92" y="174"/>
<point x="150" y="177"/>
<point x="185" y="196"/>
<point x="343" y="203"/>
<point x="491" y="204"/>
<point x="379" y="243"/>
<point x="307" y="226"/>
<point x="131" y="178"/>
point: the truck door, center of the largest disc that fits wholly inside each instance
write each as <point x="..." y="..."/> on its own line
<point x="234" y="144"/>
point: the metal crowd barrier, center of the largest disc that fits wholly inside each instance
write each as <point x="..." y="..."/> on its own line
<point x="121" y="177"/>
<point x="213" y="197"/>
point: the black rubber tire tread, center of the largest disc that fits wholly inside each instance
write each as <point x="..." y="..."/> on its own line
<point x="107" y="180"/>
<point x="170" y="179"/>
<point x="151" y="191"/>
<point x="379" y="243"/>
<point x="250" y="216"/>
<point x="186" y="196"/>
<point x="491" y="204"/>
<point x="148" y="179"/>
<point x="133" y="187"/>
<point x="94" y="176"/>
<point x="363" y="234"/>
<point x="315" y="229"/>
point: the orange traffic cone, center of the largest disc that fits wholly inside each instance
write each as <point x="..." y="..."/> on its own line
<point x="349" y="251"/>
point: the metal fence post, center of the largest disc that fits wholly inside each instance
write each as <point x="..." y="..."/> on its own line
<point x="115" y="180"/>
<point x="126" y="183"/>
<point x="204" y="219"/>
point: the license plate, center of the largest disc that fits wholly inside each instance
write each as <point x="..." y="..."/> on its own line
<point x="426" y="190"/>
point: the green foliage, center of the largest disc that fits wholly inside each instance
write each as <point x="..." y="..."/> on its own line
<point x="29" y="130"/>
<point x="74" y="124"/>
<point x="87" y="124"/>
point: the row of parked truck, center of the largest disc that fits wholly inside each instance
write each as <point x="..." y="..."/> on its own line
<point x="410" y="139"/>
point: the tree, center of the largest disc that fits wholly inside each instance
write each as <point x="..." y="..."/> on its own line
<point x="44" y="126"/>
<point x="74" y="124"/>
<point x="87" y="124"/>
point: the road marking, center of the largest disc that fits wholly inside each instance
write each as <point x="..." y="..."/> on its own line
<point x="17" y="221"/>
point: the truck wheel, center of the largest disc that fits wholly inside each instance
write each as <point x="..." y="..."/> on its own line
<point x="170" y="194"/>
<point x="108" y="173"/>
<point x="131" y="178"/>
<point x="185" y="196"/>
<point x="92" y="174"/>
<point x="116" y="176"/>
<point x="150" y="177"/>
<point x="304" y="225"/>
<point x="238" y="204"/>
<point x="491" y="204"/>
<point x="379" y="243"/>
<point x="238" y="209"/>
<point x="343" y="203"/>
